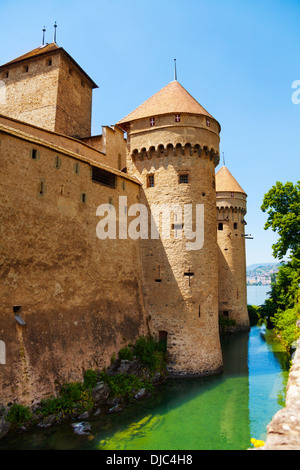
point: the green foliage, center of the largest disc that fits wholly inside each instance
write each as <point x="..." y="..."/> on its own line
<point x="73" y="397"/>
<point x="90" y="378"/>
<point x="282" y="203"/>
<point x="225" y="322"/>
<point x="256" y="314"/>
<point x="285" y="325"/>
<point x="151" y="353"/>
<point x="125" y="385"/>
<point x="125" y="353"/>
<point x="18" y="414"/>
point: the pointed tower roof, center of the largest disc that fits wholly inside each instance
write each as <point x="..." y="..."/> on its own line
<point x="173" y="98"/>
<point x="43" y="50"/>
<point x="225" y="182"/>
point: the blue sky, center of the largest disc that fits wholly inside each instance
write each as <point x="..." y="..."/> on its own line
<point x="238" y="58"/>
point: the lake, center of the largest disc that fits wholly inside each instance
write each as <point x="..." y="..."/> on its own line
<point x="256" y="295"/>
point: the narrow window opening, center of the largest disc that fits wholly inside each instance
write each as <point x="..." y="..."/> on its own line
<point x="150" y="182"/>
<point x="162" y="339"/>
<point x="34" y="154"/>
<point x="189" y="274"/>
<point x="6" y="74"/>
<point x="177" y="118"/>
<point x="208" y="122"/>
<point x="42" y="188"/>
<point x="152" y="122"/>
<point x="76" y="168"/>
<point x="235" y="225"/>
<point x="26" y="68"/>
<point x="225" y="313"/>
<point x="49" y="62"/>
<point x="83" y="198"/>
<point x="57" y="162"/>
<point x="17" y="314"/>
<point x="220" y="226"/>
<point x="158" y="279"/>
<point x="184" y="178"/>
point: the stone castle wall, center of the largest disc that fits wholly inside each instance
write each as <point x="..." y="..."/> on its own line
<point x="79" y="296"/>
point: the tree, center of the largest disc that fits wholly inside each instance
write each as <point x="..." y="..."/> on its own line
<point x="282" y="203"/>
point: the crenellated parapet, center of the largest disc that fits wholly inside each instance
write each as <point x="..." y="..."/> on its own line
<point x="175" y="150"/>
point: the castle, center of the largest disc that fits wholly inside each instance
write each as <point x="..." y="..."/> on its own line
<point x="74" y="288"/>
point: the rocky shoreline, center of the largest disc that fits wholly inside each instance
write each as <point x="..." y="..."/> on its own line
<point x="104" y="401"/>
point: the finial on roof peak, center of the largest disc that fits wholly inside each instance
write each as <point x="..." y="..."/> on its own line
<point x="175" y="71"/>
<point x="43" y="36"/>
<point x="55" y="27"/>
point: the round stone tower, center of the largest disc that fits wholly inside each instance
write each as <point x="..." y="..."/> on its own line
<point x="231" y="210"/>
<point x="173" y="149"/>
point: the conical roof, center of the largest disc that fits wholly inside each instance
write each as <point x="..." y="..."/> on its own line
<point x="225" y="182"/>
<point x="173" y="98"/>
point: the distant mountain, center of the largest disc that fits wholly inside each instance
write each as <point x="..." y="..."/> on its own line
<point x="262" y="265"/>
<point x="260" y="274"/>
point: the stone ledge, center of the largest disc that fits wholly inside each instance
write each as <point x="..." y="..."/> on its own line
<point x="284" y="429"/>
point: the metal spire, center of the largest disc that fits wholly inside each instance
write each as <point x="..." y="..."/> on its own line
<point x="43" y="37"/>
<point x="175" y="70"/>
<point x="55" y="26"/>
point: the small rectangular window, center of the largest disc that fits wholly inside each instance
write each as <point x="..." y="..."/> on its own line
<point x="26" y="68"/>
<point x="103" y="177"/>
<point x="183" y="178"/>
<point x="76" y="168"/>
<point x="34" y="154"/>
<point x="5" y="75"/>
<point x="57" y="162"/>
<point x="220" y="226"/>
<point x="49" y="62"/>
<point x="150" y="182"/>
<point x="83" y="197"/>
<point x="235" y="225"/>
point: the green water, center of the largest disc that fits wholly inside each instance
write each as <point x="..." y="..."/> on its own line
<point x="213" y="413"/>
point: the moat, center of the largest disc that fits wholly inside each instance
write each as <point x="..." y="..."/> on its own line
<point x="221" y="412"/>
